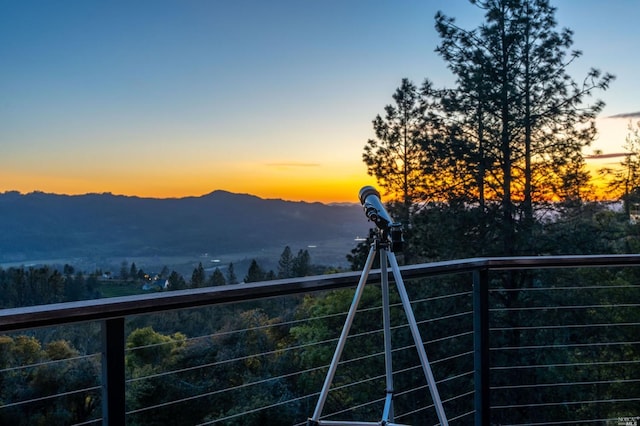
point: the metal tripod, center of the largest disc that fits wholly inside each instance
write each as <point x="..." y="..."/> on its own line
<point x="387" y="414"/>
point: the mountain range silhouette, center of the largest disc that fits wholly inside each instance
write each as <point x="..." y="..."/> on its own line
<point x="42" y="226"/>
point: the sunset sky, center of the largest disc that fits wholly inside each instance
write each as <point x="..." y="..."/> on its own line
<point x="274" y="98"/>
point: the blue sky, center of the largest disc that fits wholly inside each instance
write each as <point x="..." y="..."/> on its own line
<point x="272" y="98"/>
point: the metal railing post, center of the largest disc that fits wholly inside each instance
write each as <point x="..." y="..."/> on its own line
<point x="481" y="346"/>
<point x="113" y="377"/>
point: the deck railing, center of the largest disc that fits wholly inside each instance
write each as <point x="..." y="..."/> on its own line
<point x="520" y="340"/>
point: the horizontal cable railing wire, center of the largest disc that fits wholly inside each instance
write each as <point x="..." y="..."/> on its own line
<point x="570" y="307"/>
<point x="566" y="326"/>
<point x="45" y="363"/>
<point x="573" y="364"/>
<point x="567" y="403"/>
<point x="248" y="384"/>
<point x="89" y="422"/>
<point x="269" y="353"/>
<point x="51" y="397"/>
<point x="586" y="383"/>
<point x="281" y="351"/>
<point x="614" y="421"/>
<point x="561" y="352"/>
<point x="243" y="358"/>
<point x="46" y="369"/>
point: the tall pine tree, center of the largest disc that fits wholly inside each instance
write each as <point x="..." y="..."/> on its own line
<point x="401" y="157"/>
<point x="529" y="118"/>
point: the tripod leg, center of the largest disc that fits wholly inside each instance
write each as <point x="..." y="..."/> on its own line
<point x="387" y="414"/>
<point x="422" y="354"/>
<point x="343" y="337"/>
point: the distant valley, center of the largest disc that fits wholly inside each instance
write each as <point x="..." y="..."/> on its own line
<point x="103" y="230"/>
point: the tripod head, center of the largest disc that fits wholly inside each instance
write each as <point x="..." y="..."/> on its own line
<point x="376" y="212"/>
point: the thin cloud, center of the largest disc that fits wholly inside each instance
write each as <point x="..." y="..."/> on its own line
<point x="610" y="155"/>
<point x="626" y="115"/>
<point x="293" y="164"/>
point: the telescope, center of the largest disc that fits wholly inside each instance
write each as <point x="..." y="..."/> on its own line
<point x="375" y="212"/>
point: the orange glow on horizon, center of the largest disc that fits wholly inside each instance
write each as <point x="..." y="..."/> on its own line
<point x="600" y="182"/>
<point x="301" y="188"/>
<point x="306" y="182"/>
